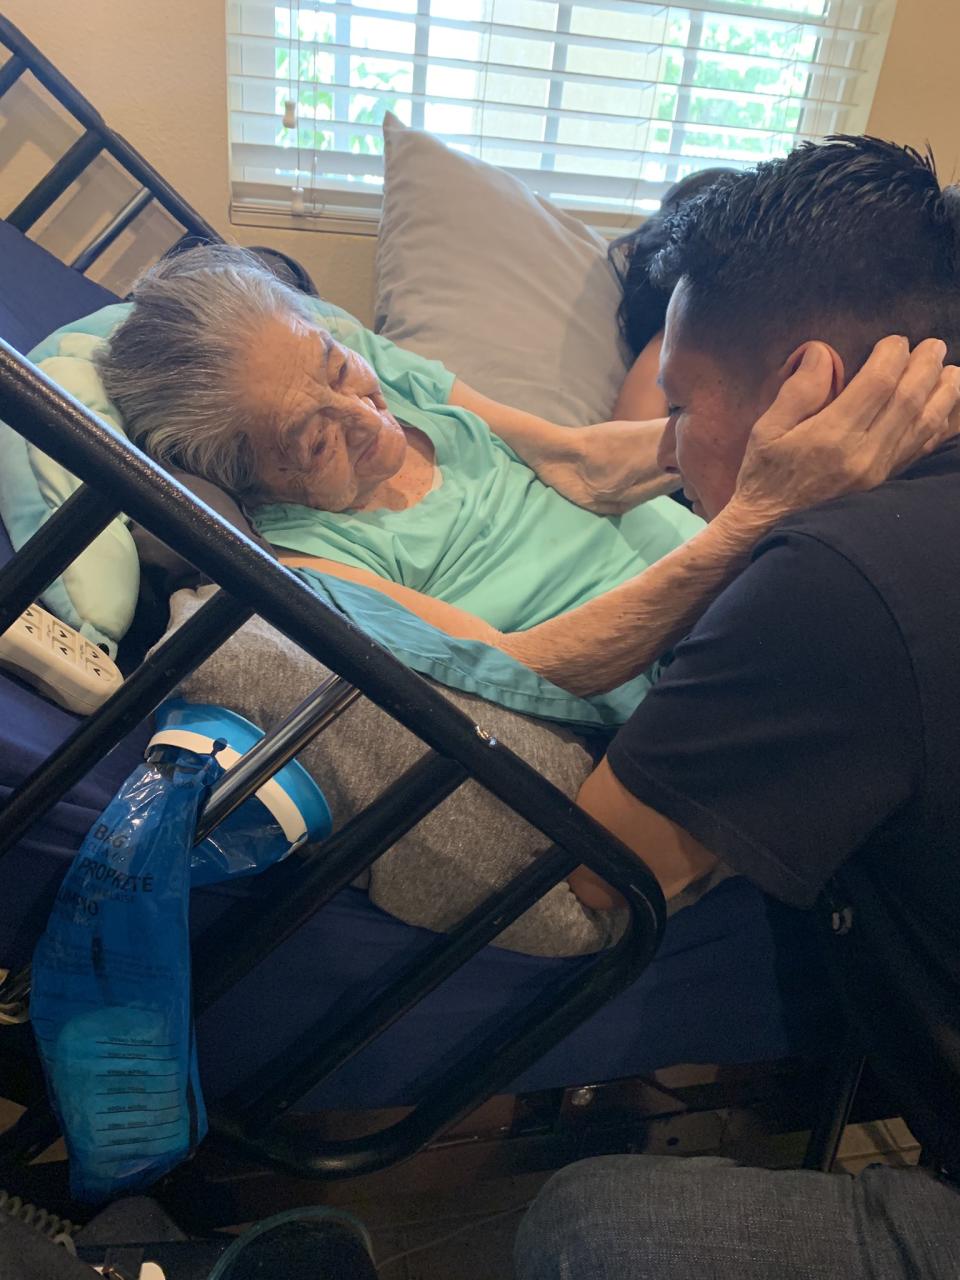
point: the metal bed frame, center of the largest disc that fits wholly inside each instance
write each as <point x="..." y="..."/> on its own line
<point x="117" y="477"/>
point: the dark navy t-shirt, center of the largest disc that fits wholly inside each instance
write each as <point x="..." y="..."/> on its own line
<point x="807" y="732"/>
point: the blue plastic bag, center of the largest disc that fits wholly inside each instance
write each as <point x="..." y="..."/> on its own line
<point x="270" y="824"/>
<point x="111" y="1000"/>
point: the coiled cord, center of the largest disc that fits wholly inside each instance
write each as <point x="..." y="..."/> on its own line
<point x="58" y="1230"/>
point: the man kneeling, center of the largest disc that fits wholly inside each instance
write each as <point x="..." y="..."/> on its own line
<point x="806" y="731"/>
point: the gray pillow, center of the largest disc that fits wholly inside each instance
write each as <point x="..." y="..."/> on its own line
<point x="512" y="294"/>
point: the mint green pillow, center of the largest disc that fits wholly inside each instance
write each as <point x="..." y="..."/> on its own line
<point x="97" y="594"/>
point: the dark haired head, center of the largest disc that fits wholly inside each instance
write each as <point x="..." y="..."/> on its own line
<point x="846" y="242"/>
<point x="643" y="306"/>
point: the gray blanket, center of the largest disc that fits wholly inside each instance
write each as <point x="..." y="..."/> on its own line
<point x="464" y="849"/>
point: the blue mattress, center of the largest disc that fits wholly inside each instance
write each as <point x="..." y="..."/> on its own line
<point x="38" y="293"/>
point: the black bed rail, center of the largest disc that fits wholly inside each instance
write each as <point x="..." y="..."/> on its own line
<point x="250" y="580"/>
<point x="84" y="515"/>
<point x="97" y="138"/>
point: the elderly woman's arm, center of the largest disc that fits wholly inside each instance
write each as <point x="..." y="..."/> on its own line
<point x="800" y="453"/>
<point x="610" y="639"/>
<point x="607" y="468"/>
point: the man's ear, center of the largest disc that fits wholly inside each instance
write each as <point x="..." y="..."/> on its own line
<point x="792" y="363"/>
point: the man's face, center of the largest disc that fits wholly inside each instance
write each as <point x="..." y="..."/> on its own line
<point x="712" y="411"/>
<point x="323" y="436"/>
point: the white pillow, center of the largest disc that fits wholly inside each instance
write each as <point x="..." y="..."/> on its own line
<point x="513" y="295"/>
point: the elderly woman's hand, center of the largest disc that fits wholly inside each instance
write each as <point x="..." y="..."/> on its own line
<point x="803" y="451"/>
<point x="610" y="467"/>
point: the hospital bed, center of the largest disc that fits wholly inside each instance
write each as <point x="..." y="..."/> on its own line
<point x="335" y="1004"/>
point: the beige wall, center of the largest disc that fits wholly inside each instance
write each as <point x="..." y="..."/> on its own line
<point x="917" y="97"/>
<point x="157" y="73"/>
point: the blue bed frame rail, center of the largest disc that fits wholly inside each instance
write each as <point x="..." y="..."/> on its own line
<point x="119" y="478"/>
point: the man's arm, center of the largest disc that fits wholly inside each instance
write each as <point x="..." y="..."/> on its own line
<point x="674" y="857"/>
<point x="765" y="744"/>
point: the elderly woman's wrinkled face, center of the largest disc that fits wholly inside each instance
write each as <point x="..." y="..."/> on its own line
<point x="323" y="436"/>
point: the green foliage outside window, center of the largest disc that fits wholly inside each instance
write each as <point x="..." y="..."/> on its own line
<point x="744" y="82"/>
<point x="369" y="100"/>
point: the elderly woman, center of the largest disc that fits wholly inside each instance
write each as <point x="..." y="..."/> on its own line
<point x="365" y="462"/>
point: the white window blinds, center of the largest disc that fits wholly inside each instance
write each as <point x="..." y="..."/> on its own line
<point x="598" y="104"/>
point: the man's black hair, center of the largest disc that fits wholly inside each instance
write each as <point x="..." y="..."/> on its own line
<point x="845" y="241"/>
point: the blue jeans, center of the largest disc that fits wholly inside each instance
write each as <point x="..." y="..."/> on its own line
<point x="676" y="1218"/>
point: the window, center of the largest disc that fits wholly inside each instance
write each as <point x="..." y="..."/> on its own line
<point x="598" y="104"/>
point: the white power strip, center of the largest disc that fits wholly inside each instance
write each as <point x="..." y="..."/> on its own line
<point x="56" y="659"/>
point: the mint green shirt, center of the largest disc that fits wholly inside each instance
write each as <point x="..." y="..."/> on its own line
<point x="491" y="539"/>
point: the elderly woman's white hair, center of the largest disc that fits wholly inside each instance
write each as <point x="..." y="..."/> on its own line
<point x="171" y="368"/>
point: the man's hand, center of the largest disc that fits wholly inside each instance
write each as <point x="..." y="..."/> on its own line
<point x="803" y="451"/>
<point x="608" y="468"/>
